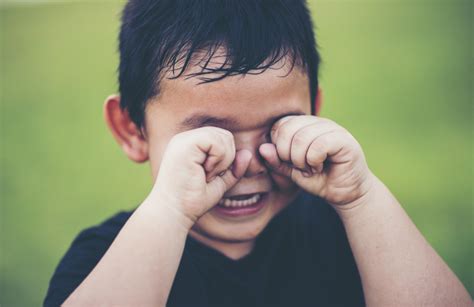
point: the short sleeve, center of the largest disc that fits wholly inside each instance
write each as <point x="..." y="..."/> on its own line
<point x="346" y="278"/>
<point x="82" y="256"/>
<point x="338" y="271"/>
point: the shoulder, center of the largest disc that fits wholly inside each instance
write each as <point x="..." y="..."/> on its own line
<point x="107" y="230"/>
<point x="94" y="241"/>
<point x="84" y="253"/>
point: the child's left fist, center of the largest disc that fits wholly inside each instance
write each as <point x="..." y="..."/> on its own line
<point x="320" y="156"/>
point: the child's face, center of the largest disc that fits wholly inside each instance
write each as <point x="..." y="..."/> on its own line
<point x="253" y="103"/>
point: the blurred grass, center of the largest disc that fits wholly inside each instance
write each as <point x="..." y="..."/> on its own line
<point x="397" y="74"/>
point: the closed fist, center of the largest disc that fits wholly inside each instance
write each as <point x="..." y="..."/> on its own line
<point x="319" y="156"/>
<point x="198" y="167"/>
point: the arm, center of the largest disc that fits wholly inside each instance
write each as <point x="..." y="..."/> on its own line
<point x="397" y="266"/>
<point x="139" y="267"/>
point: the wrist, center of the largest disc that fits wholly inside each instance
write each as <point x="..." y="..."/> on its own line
<point x="163" y="205"/>
<point x="363" y="201"/>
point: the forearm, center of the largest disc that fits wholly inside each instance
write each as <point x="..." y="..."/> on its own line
<point x="397" y="265"/>
<point x="139" y="267"/>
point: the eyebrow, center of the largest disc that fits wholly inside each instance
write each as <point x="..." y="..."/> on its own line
<point x="199" y="120"/>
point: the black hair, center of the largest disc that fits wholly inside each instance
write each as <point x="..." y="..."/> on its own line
<point x="157" y="35"/>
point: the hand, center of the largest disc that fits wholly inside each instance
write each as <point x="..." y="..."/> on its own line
<point x="319" y="156"/>
<point x="197" y="168"/>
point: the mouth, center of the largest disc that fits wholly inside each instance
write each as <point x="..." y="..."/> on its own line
<point x="240" y="200"/>
<point x="240" y="205"/>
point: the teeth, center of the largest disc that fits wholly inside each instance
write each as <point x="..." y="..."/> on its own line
<point x="226" y="202"/>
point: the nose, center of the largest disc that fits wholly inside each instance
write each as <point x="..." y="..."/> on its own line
<point x="256" y="166"/>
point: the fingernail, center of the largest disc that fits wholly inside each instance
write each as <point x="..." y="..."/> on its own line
<point x="221" y="173"/>
<point x="306" y="174"/>
<point x="314" y="170"/>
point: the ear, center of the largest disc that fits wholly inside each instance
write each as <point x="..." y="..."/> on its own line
<point x="318" y="101"/>
<point x="124" y="130"/>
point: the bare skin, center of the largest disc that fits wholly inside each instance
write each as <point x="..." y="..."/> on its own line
<point x="397" y="265"/>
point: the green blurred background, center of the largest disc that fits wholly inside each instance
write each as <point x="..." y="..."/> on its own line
<point x="397" y="74"/>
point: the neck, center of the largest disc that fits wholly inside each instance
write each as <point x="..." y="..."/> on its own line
<point x="232" y="250"/>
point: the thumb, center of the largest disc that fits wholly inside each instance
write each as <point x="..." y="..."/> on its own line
<point x="230" y="177"/>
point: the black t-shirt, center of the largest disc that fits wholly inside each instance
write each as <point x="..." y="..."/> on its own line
<point x="302" y="258"/>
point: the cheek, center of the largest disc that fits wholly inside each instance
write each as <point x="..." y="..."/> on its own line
<point x="156" y="152"/>
<point x="283" y="185"/>
<point x="160" y="128"/>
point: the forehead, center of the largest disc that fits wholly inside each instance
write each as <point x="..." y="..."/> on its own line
<point x="235" y="102"/>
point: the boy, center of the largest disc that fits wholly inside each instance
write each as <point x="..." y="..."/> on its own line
<point x="256" y="201"/>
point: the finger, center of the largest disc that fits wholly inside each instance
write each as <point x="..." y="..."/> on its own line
<point x="269" y="153"/>
<point x="227" y="179"/>
<point x="302" y="141"/>
<point x="215" y="156"/>
<point x="241" y="163"/>
<point x="221" y="154"/>
<point x="284" y="131"/>
<point x="279" y="170"/>
<point x="204" y="138"/>
<point x="327" y="146"/>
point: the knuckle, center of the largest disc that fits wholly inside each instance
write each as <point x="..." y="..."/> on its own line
<point x="315" y="153"/>
<point x="229" y="139"/>
<point x="281" y="150"/>
<point x="178" y="139"/>
<point x="226" y="152"/>
<point x="214" y="131"/>
<point x="219" y="151"/>
<point x="274" y="130"/>
<point x="227" y="158"/>
<point x="298" y="140"/>
<point x="227" y="145"/>
<point x="282" y="121"/>
<point x="226" y="137"/>
<point x="279" y="124"/>
<point x="313" y="161"/>
<point x="298" y="161"/>
<point x="216" y="138"/>
<point x="224" y="132"/>
<point x="283" y="136"/>
<point x="326" y="121"/>
<point x="317" y="147"/>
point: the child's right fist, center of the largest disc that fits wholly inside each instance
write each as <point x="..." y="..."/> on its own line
<point x="197" y="168"/>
